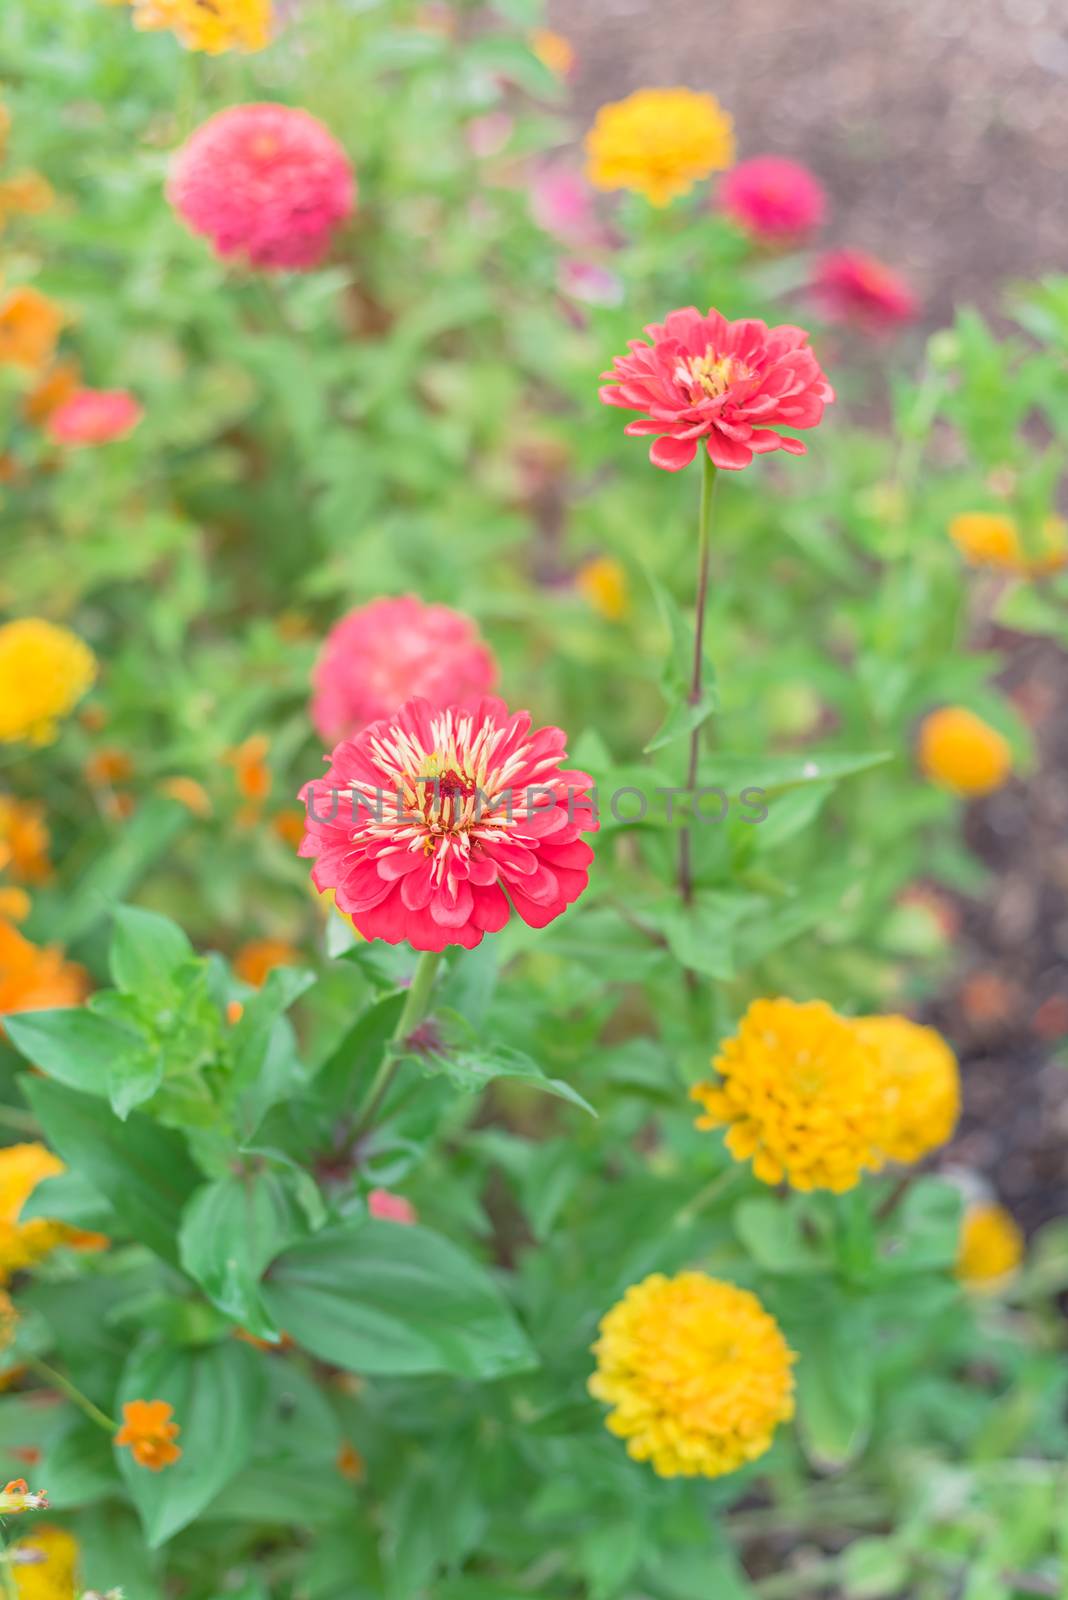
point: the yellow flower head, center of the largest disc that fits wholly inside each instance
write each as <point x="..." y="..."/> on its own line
<point x="659" y="142"/>
<point x="22" y="1168"/>
<point x="921" y="1085"/>
<point x="44" y="671"/>
<point x="29" y="326"/>
<point x="962" y="752"/>
<point x="553" y="51"/>
<point x="54" y="1578"/>
<point x="24" y="840"/>
<point x="991" y="539"/>
<point x="603" y="582"/>
<point x="213" y="26"/>
<point x="698" y="1373"/>
<point x="991" y="1248"/>
<point x="799" y="1094"/>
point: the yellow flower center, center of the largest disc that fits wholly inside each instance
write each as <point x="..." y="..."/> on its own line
<point x="710" y="376"/>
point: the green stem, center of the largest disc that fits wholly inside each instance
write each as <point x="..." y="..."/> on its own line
<point x="788" y="1585"/>
<point x="19" y="1121"/>
<point x="56" y="1380"/>
<point x="722" y="1184"/>
<point x="415" y="1009"/>
<point x="7" y="1574"/>
<point x="704" y="552"/>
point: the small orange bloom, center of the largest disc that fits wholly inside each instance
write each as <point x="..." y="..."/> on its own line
<point x="257" y="959"/>
<point x="109" y="766"/>
<point x="59" y="382"/>
<point x="234" y="1012"/>
<point x="350" y="1463"/>
<point x="14" y="905"/>
<point x="553" y="51"/>
<point x="252" y="775"/>
<point x="36" y="977"/>
<point x="289" y="827"/>
<point x="29" y="327"/>
<point x="993" y="539"/>
<point x="26" y="194"/>
<point x="150" y="1434"/>
<point x="962" y="752"/>
<point x="24" y="840"/>
<point x="189" y="793"/>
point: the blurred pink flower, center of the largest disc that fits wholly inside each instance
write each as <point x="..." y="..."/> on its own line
<point x="95" y="416"/>
<point x="773" y="197"/>
<point x="487" y="135"/>
<point x="704" y="378"/>
<point x="562" y="204"/>
<point x="383" y="653"/>
<point x="854" y="287"/>
<point x="389" y="1207"/>
<point x="592" y="284"/>
<point x="433" y="827"/>
<point x="267" y="184"/>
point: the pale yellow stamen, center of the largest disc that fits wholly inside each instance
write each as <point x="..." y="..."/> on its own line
<point x="710" y="375"/>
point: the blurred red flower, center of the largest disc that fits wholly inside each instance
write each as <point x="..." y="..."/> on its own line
<point x="773" y="197"/>
<point x="854" y="287"/>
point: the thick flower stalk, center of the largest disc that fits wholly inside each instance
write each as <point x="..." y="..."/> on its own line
<point x="269" y="185"/>
<point x="730" y="385"/>
<point x="800" y="1096"/>
<point x="697" y="1372"/>
<point x="434" y="826"/>
<point x="384" y="653"/>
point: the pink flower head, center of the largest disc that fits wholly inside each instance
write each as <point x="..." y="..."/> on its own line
<point x="95" y="416"/>
<point x="854" y="287"/>
<point x="728" y="383"/>
<point x="389" y="1207"/>
<point x="382" y="654"/>
<point x="773" y="197"/>
<point x="594" y="285"/>
<point x="433" y="826"/>
<point x="267" y="184"/>
<point x="562" y="204"/>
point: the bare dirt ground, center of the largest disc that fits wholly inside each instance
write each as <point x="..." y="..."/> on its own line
<point x="940" y="128"/>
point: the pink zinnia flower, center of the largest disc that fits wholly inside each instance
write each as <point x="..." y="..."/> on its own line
<point x="854" y="287"/>
<point x="267" y="184"/>
<point x="728" y="383"/>
<point x="562" y="204"/>
<point x="382" y="654"/>
<point x="773" y="197"/>
<point x="95" y="416"/>
<point x="389" y="1207"/>
<point x="432" y="827"/>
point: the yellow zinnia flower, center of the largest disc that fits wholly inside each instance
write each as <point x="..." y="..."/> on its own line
<point x="659" y="142"/>
<point x="698" y="1373"/>
<point x="44" y="671"/>
<point x="799" y="1094"/>
<point x="30" y="324"/>
<point x="213" y="26"/>
<point x="991" y="1247"/>
<point x="962" y="752"/>
<point x="992" y="539"/>
<point x="54" y="1578"/>
<point x="921" y="1085"/>
<point x="22" y="1168"/>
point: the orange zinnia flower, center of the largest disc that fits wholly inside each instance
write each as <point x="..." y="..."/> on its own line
<point x="24" y="840"/>
<point x="252" y="775"/>
<point x="53" y="389"/>
<point x="255" y="961"/>
<point x="36" y="977"/>
<point x="189" y="793"/>
<point x="29" y="328"/>
<point x="150" y="1434"/>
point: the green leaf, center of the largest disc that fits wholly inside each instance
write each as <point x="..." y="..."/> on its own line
<point x="145" y="950"/>
<point x="833" y="1339"/>
<point x="347" y="1071"/>
<point x="872" y="1568"/>
<point x="381" y="1297"/>
<point x="230" y="1230"/>
<point x="216" y="1393"/>
<point x="74" y="1046"/>
<point x="779" y="774"/>
<point x="471" y="1065"/>
<point x="142" y="1170"/>
<point x="774" y="1234"/>
<point x="685" y="712"/>
<point x="147" y="835"/>
<point x="79" y="1466"/>
<point x="69" y="1198"/>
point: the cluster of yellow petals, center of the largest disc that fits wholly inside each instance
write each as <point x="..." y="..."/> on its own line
<point x="54" y="1578"/>
<point x="962" y="753"/>
<point x="22" y="1244"/>
<point x="799" y="1094"/>
<point x="991" y="1247"/>
<point x="659" y="143"/>
<point x="30" y="325"/>
<point x="44" y="672"/>
<point x="602" y="581"/>
<point x="698" y="1373"/>
<point x="149" y="1432"/>
<point x="920" y="1082"/>
<point x="213" y="26"/>
<point x="993" y="539"/>
<point x="36" y="977"/>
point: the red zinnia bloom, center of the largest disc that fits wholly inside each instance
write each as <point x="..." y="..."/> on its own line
<point x="432" y="826"/>
<point x="854" y="287"/>
<point x="382" y="654"/>
<point x="773" y="197"/>
<point x="95" y="416"/>
<point x="267" y="184"/>
<point x="723" y="382"/>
